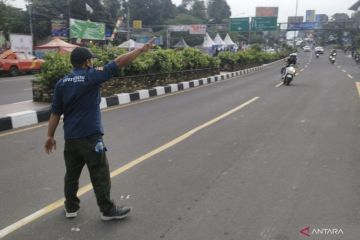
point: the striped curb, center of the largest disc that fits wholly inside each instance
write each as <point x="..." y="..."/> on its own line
<point x="31" y="117"/>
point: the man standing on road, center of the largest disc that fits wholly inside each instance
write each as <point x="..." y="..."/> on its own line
<point x="77" y="96"/>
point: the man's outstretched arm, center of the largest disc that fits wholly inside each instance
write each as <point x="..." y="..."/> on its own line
<point x="127" y="58"/>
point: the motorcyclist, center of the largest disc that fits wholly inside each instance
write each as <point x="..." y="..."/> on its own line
<point x="291" y="60"/>
<point x="333" y="52"/>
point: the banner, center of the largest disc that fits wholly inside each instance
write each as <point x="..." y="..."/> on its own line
<point x="145" y="39"/>
<point x="302" y="26"/>
<point x="59" y="28"/>
<point x="137" y="24"/>
<point x="87" y="30"/>
<point x="21" y="43"/>
<point x="295" y="19"/>
<point x="192" y="29"/>
<point x="310" y="16"/>
<point x="267" y="11"/>
<point x="197" y="29"/>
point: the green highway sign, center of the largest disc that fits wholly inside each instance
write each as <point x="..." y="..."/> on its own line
<point x="259" y="24"/>
<point x="239" y="24"/>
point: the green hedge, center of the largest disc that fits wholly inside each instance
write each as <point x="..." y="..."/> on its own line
<point x="56" y="66"/>
<point x="244" y="59"/>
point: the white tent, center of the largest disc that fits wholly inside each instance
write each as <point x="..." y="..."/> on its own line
<point x="181" y="44"/>
<point x="228" y="41"/>
<point x="130" y="44"/>
<point x="218" y="41"/>
<point x="208" y="42"/>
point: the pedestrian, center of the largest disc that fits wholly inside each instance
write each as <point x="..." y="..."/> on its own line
<point x="77" y="97"/>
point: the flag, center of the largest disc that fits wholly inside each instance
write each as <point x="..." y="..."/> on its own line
<point x="116" y="28"/>
<point x="88" y="8"/>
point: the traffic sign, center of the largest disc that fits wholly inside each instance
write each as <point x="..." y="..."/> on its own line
<point x="259" y="24"/>
<point x="239" y="24"/>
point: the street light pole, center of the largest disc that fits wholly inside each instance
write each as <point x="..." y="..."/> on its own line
<point x="296" y="13"/>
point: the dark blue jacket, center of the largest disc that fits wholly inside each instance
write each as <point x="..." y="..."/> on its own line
<point x="77" y="96"/>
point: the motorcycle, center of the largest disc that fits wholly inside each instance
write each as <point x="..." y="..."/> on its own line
<point x="288" y="74"/>
<point x="332" y="59"/>
<point x="357" y="58"/>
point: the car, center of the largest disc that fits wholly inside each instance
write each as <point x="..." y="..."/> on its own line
<point x="15" y="63"/>
<point x="271" y="50"/>
<point x="307" y="48"/>
<point x="319" y="50"/>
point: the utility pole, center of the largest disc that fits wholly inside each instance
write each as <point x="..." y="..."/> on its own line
<point x="128" y="22"/>
<point x="69" y="9"/>
<point x="30" y="16"/>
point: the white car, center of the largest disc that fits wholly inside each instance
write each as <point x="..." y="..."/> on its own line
<point x="319" y="50"/>
<point x="307" y="48"/>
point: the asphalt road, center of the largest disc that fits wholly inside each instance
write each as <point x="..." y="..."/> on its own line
<point x="287" y="159"/>
<point x="15" y="89"/>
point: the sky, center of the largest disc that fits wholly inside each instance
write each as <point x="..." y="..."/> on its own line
<point x="246" y="8"/>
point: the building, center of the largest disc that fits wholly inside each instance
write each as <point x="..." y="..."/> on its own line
<point x="321" y="18"/>
<point x="340" y="17"/>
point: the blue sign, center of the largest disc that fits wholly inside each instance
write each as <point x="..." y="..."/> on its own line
<point x="145" y="39"/>
<point x="59" y="28"/>
<point x="302" y="26"/>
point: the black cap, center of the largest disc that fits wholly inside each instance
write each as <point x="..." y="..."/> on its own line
<point x="79" y="55"/>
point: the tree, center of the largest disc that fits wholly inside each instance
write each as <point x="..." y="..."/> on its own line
<point x="198" y="9"/>
<point x="13" y="20"/>
<point x="194" y="8"/>
<point x="151" y="12"/>
<point x="218" y="10"/>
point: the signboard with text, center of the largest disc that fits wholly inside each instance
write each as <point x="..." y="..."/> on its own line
<point x="21" y="43"/>
<point x="87" y="30"/>
<point x="239" y="24"/>
<point x="302" y="26"/>
<point x="310" y="16"/>
<point x="259" y="24"/>
<point x="267" y="11"/>
<point x="192" y="29"/>
<point x="59" y="28"/>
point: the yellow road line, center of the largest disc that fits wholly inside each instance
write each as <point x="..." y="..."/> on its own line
<point x="358" y="87"/>
<point x="55" y="205"/>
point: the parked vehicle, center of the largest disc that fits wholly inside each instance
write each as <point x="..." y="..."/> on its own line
<point x="15" y="63"/>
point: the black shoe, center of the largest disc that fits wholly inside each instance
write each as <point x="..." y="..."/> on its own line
<point x="116" y="213"/>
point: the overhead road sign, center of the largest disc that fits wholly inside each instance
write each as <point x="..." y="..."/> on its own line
<point x="239" y="24"/>
<point x="259" y="24"/>
<point x="302" y="26"/>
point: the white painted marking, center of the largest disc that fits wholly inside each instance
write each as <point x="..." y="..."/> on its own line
<point x="123" y="98"/>
<point x="22" y="102"/>
<point x="279" y="84"/>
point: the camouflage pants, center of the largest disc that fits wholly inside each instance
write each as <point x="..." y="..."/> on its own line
<point x="77" y="153"/>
